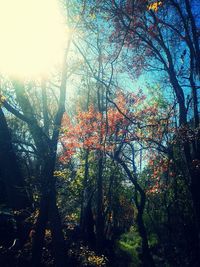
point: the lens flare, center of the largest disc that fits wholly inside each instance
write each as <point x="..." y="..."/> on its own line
<point x="32" y="36"/>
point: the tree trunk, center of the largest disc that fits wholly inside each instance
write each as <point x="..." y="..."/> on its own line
<point x="87" y="220"/>
<point x="88" y="225"/>
<point x="100" y="218"/>
<point x="49" y="213"/>
<point x="39" y="232"/>
<point x="12" y="181"/>
<point x="56" y="231"/>
<point x="147" y="259"/>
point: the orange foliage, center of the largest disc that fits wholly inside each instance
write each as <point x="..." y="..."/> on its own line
<point x="127" y="120"/>
<point x="159" y="167"/>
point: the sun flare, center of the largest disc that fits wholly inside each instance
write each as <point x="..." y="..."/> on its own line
<point x="32" y="36"/>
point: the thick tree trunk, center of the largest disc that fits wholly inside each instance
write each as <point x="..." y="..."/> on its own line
<point x="56" y="231"/>
<point x="179" y="95"/>
<point x="12" y="181"/>
<point x="39" y="232"/>
<point x="49" y="213"/>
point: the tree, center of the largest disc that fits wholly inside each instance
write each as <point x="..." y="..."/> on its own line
<point x="46" y="146"/>
<point x="12" y="182"/>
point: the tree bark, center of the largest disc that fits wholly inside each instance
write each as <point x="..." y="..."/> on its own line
<point x="48" y="212"/>
<point x="39" y="232"/>
<point x="12" y="180"/>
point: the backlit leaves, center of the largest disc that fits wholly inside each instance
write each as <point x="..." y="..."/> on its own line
<point x="154" y="6"/>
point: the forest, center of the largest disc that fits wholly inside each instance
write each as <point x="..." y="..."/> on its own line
<point x="100" y="133"/>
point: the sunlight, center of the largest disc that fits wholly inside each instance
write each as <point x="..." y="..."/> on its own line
<point x="33" y="37"/>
